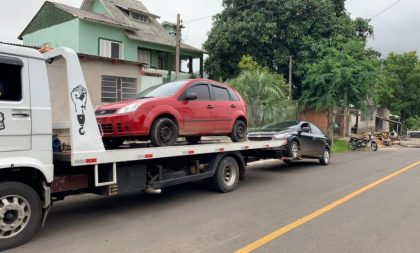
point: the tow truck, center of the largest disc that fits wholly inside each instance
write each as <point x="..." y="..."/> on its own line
<point x="33" y="176"/>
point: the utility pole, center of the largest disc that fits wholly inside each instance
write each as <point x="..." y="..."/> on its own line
<point x="290" y="77"/>
<point x="178" y="45"/>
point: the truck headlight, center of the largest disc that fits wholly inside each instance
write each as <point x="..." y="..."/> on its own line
<point x="128" y="108"/>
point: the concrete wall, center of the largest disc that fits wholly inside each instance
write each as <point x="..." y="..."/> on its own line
<point x="369" y="123"/>
<point x="149" y="81"/>
<point x="93" y="70"/>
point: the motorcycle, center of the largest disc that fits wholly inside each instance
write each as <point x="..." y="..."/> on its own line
<point x="363" y="142"/>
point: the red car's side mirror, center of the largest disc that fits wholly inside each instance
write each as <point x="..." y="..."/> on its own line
<point x="191" y="96"/>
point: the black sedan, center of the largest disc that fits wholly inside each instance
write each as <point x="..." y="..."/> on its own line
<point x="302" y="140"/>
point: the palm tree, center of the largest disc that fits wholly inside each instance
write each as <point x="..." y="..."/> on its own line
<point x="264" y="94"/>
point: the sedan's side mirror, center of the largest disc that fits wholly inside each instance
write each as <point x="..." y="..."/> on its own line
<point x="306" y="129"/>
<point x="191" y="96"/>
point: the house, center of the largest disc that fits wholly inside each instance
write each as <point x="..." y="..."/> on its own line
<point x="352" y="121"/>
<point x="119" y="29"/>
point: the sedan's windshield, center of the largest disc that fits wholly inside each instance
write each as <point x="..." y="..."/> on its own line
<point x="280" y="126"/>
<point x="162" y="90"/>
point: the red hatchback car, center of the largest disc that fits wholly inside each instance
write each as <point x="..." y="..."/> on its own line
<point x="162" y="113"/>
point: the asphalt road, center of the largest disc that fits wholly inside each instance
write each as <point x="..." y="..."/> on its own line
<point x="191" y="218"/>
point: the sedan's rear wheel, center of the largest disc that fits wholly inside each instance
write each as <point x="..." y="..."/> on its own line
<point x="325" y="159"/>
<point x="164" y="132"/>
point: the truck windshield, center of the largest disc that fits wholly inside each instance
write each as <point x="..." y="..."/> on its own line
<point x="162" y="90"/>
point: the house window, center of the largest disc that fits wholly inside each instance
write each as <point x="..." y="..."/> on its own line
<point x="111" y="49"/>
<point x="10" y="79"/>
<point x="144" y="56"/>
<point x="118" y="89"/>
<point x="139" y="17"/>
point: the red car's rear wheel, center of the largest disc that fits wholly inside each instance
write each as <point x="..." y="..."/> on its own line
<point x="239" y="131"/>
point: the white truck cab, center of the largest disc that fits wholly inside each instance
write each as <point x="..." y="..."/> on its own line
<point x="25" y="139"/>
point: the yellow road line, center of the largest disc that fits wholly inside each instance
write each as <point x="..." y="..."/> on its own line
<point x="266" y="239"/>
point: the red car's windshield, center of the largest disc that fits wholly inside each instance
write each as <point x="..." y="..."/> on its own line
<point x="162" y="90"/>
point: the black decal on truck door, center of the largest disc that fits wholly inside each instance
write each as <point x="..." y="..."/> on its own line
<point x="79" y="98"/>
<point x="2" y="126"/>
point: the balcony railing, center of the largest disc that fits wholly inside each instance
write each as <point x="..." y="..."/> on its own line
<point x="164" y="75"/>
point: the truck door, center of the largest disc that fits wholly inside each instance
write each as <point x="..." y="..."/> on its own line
<point x="15" y="110"/>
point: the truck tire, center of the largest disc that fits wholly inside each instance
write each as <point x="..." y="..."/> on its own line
<point x="20" y="214"/>
<point x="164" y="132"/>
<point x="226" y="178"/>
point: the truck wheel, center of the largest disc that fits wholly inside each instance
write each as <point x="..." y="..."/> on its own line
<point x="193" y="139"/>
<point x="164" y="132"/>
<point x="239" y="131"/>
<point x="20" y="214"/>
<point x="226" y="178"/>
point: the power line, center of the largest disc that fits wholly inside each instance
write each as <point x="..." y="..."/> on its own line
<point x="200" y="18"/>
<point x="187" y="22"/>
<point x="386" y="9"/>
<point x="237" y="7"/>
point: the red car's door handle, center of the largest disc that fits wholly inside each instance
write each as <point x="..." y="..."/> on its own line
<point x="209" y="107"/>
<point x="233" y="106"/>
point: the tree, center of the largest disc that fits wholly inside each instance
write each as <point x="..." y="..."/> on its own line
<point x="399" y="85"/>
<point x="413" y="123"/>
<point x="272" y="30"/>
<point x="344" y="76"/>
<point x="263" y="93"/>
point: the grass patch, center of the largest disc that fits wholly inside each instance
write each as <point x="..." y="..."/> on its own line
<point x="340" y="146"/>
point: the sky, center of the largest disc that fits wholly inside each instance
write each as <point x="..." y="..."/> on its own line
<point x="396" y="30"/>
